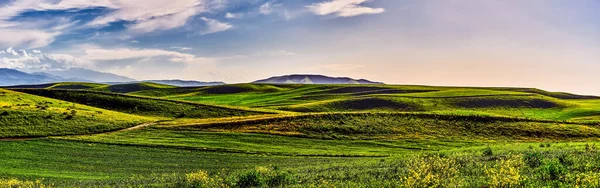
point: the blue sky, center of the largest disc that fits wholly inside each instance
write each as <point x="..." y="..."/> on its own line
<point x="549" y="44"/>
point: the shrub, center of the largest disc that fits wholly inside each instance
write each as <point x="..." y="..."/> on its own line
<point x="552" y="170"/>
<point x="251" y="179"/>
<point x="15" y="183"/>
<point x="488" y="152"/>
<point x="590" y="147"/>
<point x="198" y="176"/>
<point x="566" y="159"/>
<point x="201" y="178"/>
<point x="432" y="171"/>
<point x="264" y="176"/>
<point x="585" y="179"/>
<point x="69" y="117"/>
<point x="506" y="173"/>
<point x="5" y="113"/>
<point x="533" y="159"/>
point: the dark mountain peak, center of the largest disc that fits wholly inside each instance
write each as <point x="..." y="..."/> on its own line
<point x="313" y="79"/>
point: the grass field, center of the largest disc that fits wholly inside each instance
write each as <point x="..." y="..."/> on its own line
<point x="262" y="135"/>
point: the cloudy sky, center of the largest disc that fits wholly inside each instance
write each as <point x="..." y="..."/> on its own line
<point x="549" y="44"/>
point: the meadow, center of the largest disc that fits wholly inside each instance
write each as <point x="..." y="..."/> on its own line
<point x="264" y="135"/>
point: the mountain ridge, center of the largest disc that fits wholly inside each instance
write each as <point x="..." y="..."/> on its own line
<point x="313" y="79"/>
<point x="90" y="75"/>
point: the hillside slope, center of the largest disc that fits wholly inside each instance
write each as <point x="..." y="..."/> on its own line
<point x="140" y="105"/>
<point x="24" y="115"/>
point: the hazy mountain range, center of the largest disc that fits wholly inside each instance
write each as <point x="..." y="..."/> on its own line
<point x="9" y="77"/>
<point x="184" y="83"/>
<point x="91" y="75"/>
<point x="313" y="79"/>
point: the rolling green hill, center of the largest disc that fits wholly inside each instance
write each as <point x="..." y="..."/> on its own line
<point x="516" y="102"/>
<point x="132" y="87"/>
<point x="24" y="115"/>
<point x="140" y="105"/>
<point x="61" y="85"/>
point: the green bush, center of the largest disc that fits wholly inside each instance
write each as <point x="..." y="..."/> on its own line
<point x="533" y="159"/>
<point x="488" y="152"/>
<point x="251" y="179"/>
<point x="552" y="170"/>
<point x="566" y="159"/>
<point x="269" y="176"/>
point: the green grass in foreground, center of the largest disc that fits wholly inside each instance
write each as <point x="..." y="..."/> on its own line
<point x="57" y="161"/>
<point x="76" y="164"/>
<point x="23" y="115"/>
<point x="267" y="144"/>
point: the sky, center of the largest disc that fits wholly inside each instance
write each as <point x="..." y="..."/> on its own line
<point x="547" y="44"/>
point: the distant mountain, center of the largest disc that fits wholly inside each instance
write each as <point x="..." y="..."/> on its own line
<point x="185" y="83"/>
<point x="90" y="75"/>
<point x="313" y="79"/>
<point x="58" y="78"/>
<point x="14" y="77"/>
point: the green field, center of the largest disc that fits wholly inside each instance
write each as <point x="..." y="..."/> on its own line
<point x="264" y="135"/>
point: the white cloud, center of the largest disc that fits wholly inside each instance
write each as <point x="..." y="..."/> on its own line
<point x="17" y="7"/>
<point x="148" y="16"/>
<point x="214" y="26"/>
<point x="29" y="34"/>
<point x="75" y="4"/>
<point x="36" y="61"/>
<point x="29" y="38"/>
<point x="181" y="48"/>
<point x="230" y="15"/>
<point x="266" y="8"/>
<point x="100" y="54"/>
<point x="343" y="8"/>
<point x="144" y="15"/>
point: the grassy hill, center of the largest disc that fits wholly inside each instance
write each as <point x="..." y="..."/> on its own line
<point x="61" y="85"/>
<point x="24" y="115"/>
<point x="141" y="105"/>
<point x="132" y="87"/>
<point x="116" y="88"/>
<point x="516" y="102"/>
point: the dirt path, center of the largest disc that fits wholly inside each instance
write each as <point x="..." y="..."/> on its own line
<point x="120" y="130"/>
<point x="135" y="127"/>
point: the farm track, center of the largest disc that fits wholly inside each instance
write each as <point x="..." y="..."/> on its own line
<point x="112" y="131"/>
